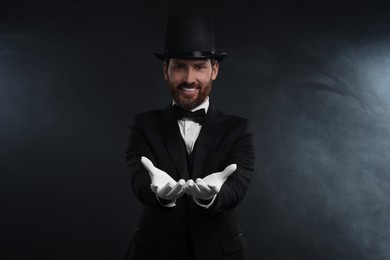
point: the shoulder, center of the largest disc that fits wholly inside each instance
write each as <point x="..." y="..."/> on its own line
<point x="232" y="123"/>
<point x="229" y="119"/>
<point x="149" y="114"/>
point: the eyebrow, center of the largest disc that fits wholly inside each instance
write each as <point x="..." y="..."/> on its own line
<point x="178" y="63"/>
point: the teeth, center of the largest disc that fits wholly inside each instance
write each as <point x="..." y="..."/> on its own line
<point x="189" y="89"/>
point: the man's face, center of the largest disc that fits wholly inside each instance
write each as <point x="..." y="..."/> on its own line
<point x="190" y="81"/>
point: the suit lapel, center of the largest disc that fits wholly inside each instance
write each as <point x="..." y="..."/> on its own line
<point x="205" y="141"/>
<point x="170" y="133"/>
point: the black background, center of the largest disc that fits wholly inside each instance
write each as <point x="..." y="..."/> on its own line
<point x="312" y="76"/>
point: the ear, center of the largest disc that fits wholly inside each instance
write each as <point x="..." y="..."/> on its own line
<point x="165" y="70"/>
<point x="214" y="72"/>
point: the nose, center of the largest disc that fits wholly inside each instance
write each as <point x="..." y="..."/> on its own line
<point x="190" y="76"/>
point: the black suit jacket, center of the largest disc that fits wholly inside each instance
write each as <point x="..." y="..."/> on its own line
<point x="163" y="232"/>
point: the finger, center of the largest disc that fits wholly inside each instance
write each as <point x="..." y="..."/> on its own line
<point x="154" y="188"/>
<point x="189" y="187"/>
<point x="214" y="189"/>
<point x="147" y="164"/>
<point x="181" y="182"/>
<point x="185" y="188"/>
<point x="177" y="189"/>
<point x="203" y="186"/>
<point x="165" y="190"/>
<point x="229" y="170"/>
<point x="183" y="185"/>
<point x="195" y="191"/>
<point x="206" y="192"/>
<point x="196" y="188"/>
<point x="190" y="183"/>
<point x="180" y="193"/>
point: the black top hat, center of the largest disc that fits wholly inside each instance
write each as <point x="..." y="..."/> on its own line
<point x="190" y="37"/>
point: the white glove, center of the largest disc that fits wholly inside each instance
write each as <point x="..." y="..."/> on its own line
<point x="162" y="183"/>
<point x="210" y="185"/>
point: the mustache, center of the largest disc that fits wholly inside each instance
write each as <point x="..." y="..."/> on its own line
<point x="186" y="85"/>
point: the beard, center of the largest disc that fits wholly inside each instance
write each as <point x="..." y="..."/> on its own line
<point x="187" y="103"/>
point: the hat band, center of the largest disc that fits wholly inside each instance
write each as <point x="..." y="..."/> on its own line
<point x="189" y="54"/>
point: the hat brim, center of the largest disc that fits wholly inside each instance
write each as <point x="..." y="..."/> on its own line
<point x="191" y="56"/>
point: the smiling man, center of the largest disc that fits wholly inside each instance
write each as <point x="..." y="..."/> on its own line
<point x="190" y="164"/>
<point x="190" y="81"/>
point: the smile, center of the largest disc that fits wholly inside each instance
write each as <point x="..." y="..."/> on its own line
<point x="189" y="89"/>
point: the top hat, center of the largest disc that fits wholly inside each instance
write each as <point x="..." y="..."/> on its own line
<point x="190" y="37"/>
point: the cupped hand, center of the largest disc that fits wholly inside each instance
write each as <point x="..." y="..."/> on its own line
<point x="215" y="180"/>
<point x="210" y="185"/>
<point x="199" y="189"/>
<point x="162" y="183"/>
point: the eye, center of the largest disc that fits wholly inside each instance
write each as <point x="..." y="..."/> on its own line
<point x="201" y="66"/>
<point x="179" y="67"/>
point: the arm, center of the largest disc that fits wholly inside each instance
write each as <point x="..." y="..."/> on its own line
<point x="234" y="188"/>
<point x="150" y="185"/>
<point x="139" y="177"/>
<point x="224" y="190"/>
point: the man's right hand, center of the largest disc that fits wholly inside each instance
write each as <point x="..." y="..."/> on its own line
<point x="162" y="184"/>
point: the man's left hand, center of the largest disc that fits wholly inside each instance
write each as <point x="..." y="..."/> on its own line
<point x="199" y="189"/>
<point x="206" y="188"/>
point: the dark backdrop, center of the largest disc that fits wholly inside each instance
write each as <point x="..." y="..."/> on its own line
<point x="313" y="77"/>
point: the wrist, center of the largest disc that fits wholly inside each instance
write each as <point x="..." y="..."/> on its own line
<point x="165" y="202"/>
<point x="205" y="203"/>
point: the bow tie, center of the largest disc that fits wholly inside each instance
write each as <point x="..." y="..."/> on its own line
<point x="197" y="116"/>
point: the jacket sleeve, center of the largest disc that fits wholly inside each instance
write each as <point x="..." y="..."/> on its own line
<point x="234" y="189"/>
<point x="139" y="176"/>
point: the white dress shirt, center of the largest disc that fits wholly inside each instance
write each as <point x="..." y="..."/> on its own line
<point x="190" y="129"/>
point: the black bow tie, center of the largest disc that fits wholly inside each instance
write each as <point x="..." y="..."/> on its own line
<point x="197" y="116"/>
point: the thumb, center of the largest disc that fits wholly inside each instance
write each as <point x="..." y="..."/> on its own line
<point x="147" y="164"/>
<point x="229" y="170"/>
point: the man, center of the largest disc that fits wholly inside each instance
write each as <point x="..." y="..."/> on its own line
<point x="190" y="164"/>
